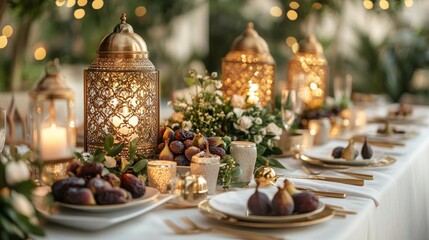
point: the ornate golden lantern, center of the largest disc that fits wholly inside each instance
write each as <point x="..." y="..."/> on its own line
<point x="53" y="130"/>
<point x="307" y="72"/>
<point x="248" y="69"/>
<point x="122" y="92"/>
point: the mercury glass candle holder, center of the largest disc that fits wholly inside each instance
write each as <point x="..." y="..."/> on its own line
<point x="160" y="173"/>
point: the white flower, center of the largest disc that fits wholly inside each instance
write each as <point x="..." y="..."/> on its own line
<point x="258" y="121"/>
<point x="244" y="123"/>
<point x="257" y="139"/>
<point x="187" y="125"/>
<point x="214" y="75"/>
<point x="263" y="131"/>
<point x="229" y="115"/>
<point x="218" y="101"/>
<point x="238" y="112"/>
<point x="22" y="204"/>
<point x="16" y="171"/>
<point x="237" y="101"/>
<point x="218" y="84"/>
<point x="174" y="125"/>
<point x="219" y="93"/>
<point x="273" y="129"/>
<point x="109" y="162"/>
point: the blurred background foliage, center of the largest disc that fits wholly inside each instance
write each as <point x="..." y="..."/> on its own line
<point x="384" y="65"/>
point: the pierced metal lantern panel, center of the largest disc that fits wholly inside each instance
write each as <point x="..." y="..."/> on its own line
<point x="122" y="93"/>
<point x="248" y="69"/>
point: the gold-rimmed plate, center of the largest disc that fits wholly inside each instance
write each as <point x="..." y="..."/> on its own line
<point x="234" y="204"/>
<point x="325" y="155"/>
<point x="320" y="217"/>
<point x="381" y="163"/>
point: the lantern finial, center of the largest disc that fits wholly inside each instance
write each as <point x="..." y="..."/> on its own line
<point x="53" y="67"/>
<point x="250" y="26"/>
<point x="123" y="18"/>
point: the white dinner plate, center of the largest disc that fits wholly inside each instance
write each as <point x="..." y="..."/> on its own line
<point x="413" y="119"/>
<point x="149" y="196"/>
<point x="92" y="221"/>
<point x="234" y="204"/>
<point x="325" y="155"/>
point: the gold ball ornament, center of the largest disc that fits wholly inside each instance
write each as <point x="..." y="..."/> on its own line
<point x="265" y="176"/>
<point x="189" y="190"/>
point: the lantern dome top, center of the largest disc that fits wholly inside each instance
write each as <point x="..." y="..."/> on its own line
<point x="310" y="45"/>
<point x="250" y="41"/>
<point x="52" y="84"/>
<point x="122" y="41"/>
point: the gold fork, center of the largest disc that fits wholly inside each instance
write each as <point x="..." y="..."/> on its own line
<point x="196" y="229"/>
<point x="356" y="175"/>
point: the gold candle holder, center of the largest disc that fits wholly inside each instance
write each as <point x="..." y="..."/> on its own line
<point x="161" y="173"/>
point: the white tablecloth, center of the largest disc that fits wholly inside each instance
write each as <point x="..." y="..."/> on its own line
<point x="403" y="212"/>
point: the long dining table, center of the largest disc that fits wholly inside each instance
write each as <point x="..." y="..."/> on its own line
<point x="394" y="205"/>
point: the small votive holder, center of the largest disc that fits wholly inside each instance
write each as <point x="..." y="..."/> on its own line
<point x="160" y="173"/>
<point x="208" y="167"/>
<point x="245" y="155"/>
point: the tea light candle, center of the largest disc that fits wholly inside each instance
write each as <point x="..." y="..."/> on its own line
<point x="121" y="127"/>
<point x="160" y="173"/>
<point x="320" y="130"/>
<point x="245" y="155"/>
<point x="208" y="167"/>
<point x="53" y="141"/>
<point x="252" y="96"/>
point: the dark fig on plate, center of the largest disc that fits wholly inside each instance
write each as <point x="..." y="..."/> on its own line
<point x="177" y="147"/>
<point x="79" y="196"/>
<point x="166" y="153"/>
<point x="188" y="143"/>
<point x="282" y="203"/>
<point x="200" y="141"/>
<point x="72" y="167"/>
<point x="168" y="134"/>
<point x="217" y="151"/>
<point x="366" y="151"/>
<point x="113" y="196"/>
<point x="132" y="184"/>
<point x="191" y="151"/>
<point x="90" y="170"/>
<point x="161" y="134"/>
<point x="337" y="152"/>
<point x="181" y="160"/>
<point x="60" y="187"/>
<point x="304" y="201"/>
<point x="259" y="203"/>
<point x="97" y="185"/>
<point x="112" y="179"/>
<point x="182" y="135"/>
<point x="215" y="141"/>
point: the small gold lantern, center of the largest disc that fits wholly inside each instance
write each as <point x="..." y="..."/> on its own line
<point x="52" y="120"/>
<point x="248" y="69"/>
<point x="122" y="93"/>
<point x="308" y="72"/>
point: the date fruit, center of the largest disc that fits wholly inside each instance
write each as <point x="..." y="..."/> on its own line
<point x="79" y="196"/>
<point x="90" y="170"/>
<point x="97" y="185"/>
<point x="113" y="196"/>
<point x="132" y="184"/>
<point x="60" y="187"/>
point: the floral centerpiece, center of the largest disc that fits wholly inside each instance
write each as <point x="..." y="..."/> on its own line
<point x="18" y="218"/>
<point x="208" y="113"/>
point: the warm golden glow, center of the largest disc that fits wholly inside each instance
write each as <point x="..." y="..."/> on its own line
<point x="97" y="4"/>
<point x="290" y="41"/>
<point x="384" y="4"/>
<point x="292" y="15"/>
<point x="316" y="5"/>
<point x="7" y="30"/>
<point x="60" y="3"/>
<point x="40" y="53"/>
<point x="276" y="11"/>
<point x="368" y="4"/>
<point x="408" y="3"/>
<point x="71" y="3"/>
<point x="140" y="11"/>
<point x="82" y="3"/>
<point x="294" y="5"/>
<point x="3" y="41"/>
<point x="295" y="47"/>
<point x="79" y="13"/>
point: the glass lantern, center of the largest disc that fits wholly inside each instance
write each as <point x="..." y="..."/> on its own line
<point x="122" y="93"/>
<point x="248" y="69"/>
<point x="308" y="72"/>
<point x="52" y="121"/>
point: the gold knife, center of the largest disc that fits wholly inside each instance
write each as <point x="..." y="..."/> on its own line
<point x="350" y="181"/>
<point x="324" y="194"/>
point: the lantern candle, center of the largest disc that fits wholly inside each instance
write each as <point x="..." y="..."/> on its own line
<point x="252" y="96"/>
<point x="120" y="125"/>
<point x="53" y="143"/>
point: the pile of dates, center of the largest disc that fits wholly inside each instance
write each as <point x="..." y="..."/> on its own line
<point x="87" y="186"/>
<point x="181" y="145"/>
<point x="288" y="200"/>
